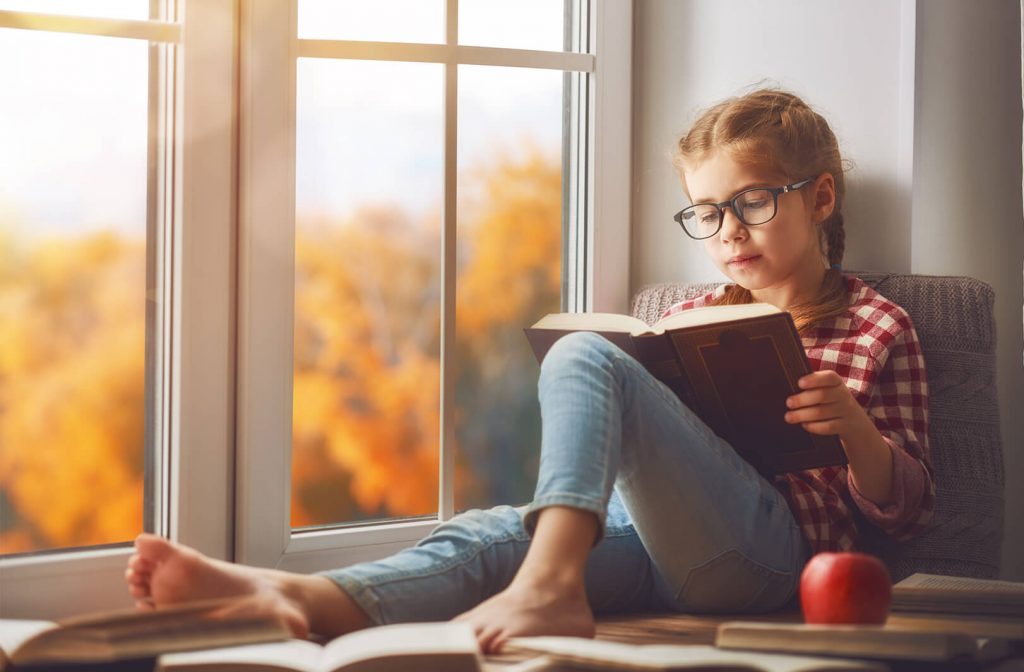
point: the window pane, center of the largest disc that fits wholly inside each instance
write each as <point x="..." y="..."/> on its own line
<point x="367" y="294"/>
<point x="111" y="9"/>
<point x="513" y="24"/>
<point x="380" y="20"/>
<point x="509" y="273"/>
<point x="72" y="289"/>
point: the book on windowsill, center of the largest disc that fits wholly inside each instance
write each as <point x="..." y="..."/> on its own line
<point x="128" y="639"/>
<point x="958" y="595"/>
<point x="734" y="366"/>
<point x="574" y="653"/>
<point x="430" y="647"/>
<point x="905" y="642"/>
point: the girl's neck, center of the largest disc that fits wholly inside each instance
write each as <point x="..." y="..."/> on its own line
<point x="799" y="288"/>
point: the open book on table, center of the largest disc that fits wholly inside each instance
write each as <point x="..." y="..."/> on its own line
<point x="430" y="647"/>
<point x="574" y="653"/>
<point x="734" y="366"/>
<point x="426" y="647"/>
<point x="128" y="635"/>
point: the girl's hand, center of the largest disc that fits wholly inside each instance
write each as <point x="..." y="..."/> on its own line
<point x="825" y="406"/>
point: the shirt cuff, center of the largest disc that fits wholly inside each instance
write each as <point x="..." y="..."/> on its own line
<point x="907" y="486"/>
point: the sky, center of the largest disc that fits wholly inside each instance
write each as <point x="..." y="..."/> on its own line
<point x="73" y="111"/>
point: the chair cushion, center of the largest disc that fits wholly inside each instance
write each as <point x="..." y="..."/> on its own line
<point x="956" y="325"/>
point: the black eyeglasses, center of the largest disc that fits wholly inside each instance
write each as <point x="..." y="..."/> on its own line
<point x="751" y="206"/>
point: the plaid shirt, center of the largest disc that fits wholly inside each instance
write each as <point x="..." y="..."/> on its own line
<point x="874" y="347"/>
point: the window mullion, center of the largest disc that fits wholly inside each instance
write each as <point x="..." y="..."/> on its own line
<point x="446" y="499"/>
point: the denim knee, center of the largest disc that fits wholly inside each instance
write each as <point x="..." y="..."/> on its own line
<point x="579" y="347"/>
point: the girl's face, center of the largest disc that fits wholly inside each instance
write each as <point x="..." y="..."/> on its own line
<point x="779" y="261"/>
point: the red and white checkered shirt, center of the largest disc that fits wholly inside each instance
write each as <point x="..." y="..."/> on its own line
<point x="874" y="347"/>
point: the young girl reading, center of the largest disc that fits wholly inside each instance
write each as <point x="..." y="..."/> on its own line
<point x="639" y="506"/>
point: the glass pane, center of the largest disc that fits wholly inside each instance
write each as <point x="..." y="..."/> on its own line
<point x="513" y="24"/>
<point x="110" y="9"/>
<point x="367" y="293"/>
<point x="72" y="289"/>
<point x="380" y="20"/>
<point x="509" y="273"/>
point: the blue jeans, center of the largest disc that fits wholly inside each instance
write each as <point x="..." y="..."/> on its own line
<point x="685" y="523"/>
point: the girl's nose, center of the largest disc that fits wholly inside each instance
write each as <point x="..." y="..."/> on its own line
<point x="732" y="227"/>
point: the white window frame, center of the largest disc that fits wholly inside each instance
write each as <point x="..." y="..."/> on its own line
<point x="222" y="429"/>
<point x="193" y="404"/>
<point x="599" y="252"/>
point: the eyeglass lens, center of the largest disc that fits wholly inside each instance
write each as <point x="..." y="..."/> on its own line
<point x="753" y="207"/>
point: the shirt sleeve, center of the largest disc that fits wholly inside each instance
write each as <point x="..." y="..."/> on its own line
<point x="899" y="408"/>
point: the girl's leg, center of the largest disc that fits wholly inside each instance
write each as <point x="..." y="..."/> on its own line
<point x="721" y="536"/>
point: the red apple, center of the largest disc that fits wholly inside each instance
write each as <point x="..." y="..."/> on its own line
<point x="845" y="588"/>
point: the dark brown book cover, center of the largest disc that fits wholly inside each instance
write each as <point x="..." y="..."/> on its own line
<point x="735" y="376"/>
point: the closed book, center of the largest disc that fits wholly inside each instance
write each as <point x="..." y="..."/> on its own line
<point x="884" y="642"/>
<point x="959" y="595"/>
<point x="734" y="366"/>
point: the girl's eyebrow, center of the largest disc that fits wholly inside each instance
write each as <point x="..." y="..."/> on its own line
<point x="748" y="185"/>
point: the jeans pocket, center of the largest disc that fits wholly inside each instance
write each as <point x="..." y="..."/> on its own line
<point x="731" y="582"/>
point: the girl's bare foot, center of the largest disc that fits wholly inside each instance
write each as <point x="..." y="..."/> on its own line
<point x="162" y="573"/>
<point x="529" y="607"/>
<point x="547" y="595"/>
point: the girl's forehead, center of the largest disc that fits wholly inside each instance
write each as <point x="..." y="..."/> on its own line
<point x="720" y="173"/>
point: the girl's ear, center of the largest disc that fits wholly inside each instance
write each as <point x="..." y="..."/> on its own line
<point x="824" y="194"/>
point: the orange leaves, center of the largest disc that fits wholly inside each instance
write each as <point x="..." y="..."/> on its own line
<point x="366" y="425"/>
<point x="72" y="324"/>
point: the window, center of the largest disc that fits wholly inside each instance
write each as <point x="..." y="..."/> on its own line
<point x="337" y="263"/>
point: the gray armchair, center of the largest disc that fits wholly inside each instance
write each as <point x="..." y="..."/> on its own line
<point x="954" y="320"/>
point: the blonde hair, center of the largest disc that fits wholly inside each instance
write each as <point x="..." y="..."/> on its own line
<point x="774" y="127"/>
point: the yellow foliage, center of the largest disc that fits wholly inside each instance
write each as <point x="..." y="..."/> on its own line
<point x="72" y="324"/>
<point x="366" y="425"/>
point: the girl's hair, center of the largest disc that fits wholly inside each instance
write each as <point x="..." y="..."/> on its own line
<point x="777" y="128"/>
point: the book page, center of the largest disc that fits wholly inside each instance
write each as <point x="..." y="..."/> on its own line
<point x="713" y="315"/>
<point x="294" y="654"/>
<point x="405" y="639"/>
<point x="960" y="584"/>
<point x="592" y="322"/>
<point x="13" y="632"/>
<point x="614" y="655"/>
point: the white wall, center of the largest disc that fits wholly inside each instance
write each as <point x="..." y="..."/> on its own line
<point x="925" y="100"/>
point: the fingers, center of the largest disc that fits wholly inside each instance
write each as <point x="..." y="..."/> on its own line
<point x="826" y="378"/>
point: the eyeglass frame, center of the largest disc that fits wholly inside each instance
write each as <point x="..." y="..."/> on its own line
<point x="731" y="203"/>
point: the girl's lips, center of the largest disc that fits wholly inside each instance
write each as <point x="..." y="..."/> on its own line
<point x="744" y="261"/>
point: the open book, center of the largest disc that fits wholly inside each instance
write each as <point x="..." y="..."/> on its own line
<point x="574" y="653"/>
<point x="888" y="642"/>
<point x="932" y="593"/>
<point x="431" y="647"/>
<point x="124" y="635"/>
<point x="734" y="366"/>
<point x="425" y="647"/>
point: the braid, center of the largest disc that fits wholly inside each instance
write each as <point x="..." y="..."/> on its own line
<point x="835" y="238"/>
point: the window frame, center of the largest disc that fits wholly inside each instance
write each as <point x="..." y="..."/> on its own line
<point x="192" y="187"/>
<point x="597" y="237"/>
<point x="214" y="451"/>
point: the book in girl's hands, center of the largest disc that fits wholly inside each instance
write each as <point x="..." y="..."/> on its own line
<point x="103" y="639"/>
<point x="574" y="653"/>
<point x="734" y="366"/>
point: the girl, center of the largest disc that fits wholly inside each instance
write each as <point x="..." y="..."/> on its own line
<point x="639" y="506"/>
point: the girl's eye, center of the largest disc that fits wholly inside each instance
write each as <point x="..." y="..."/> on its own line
<point x="755" y="203"/>
<point x="708" y="218"/>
